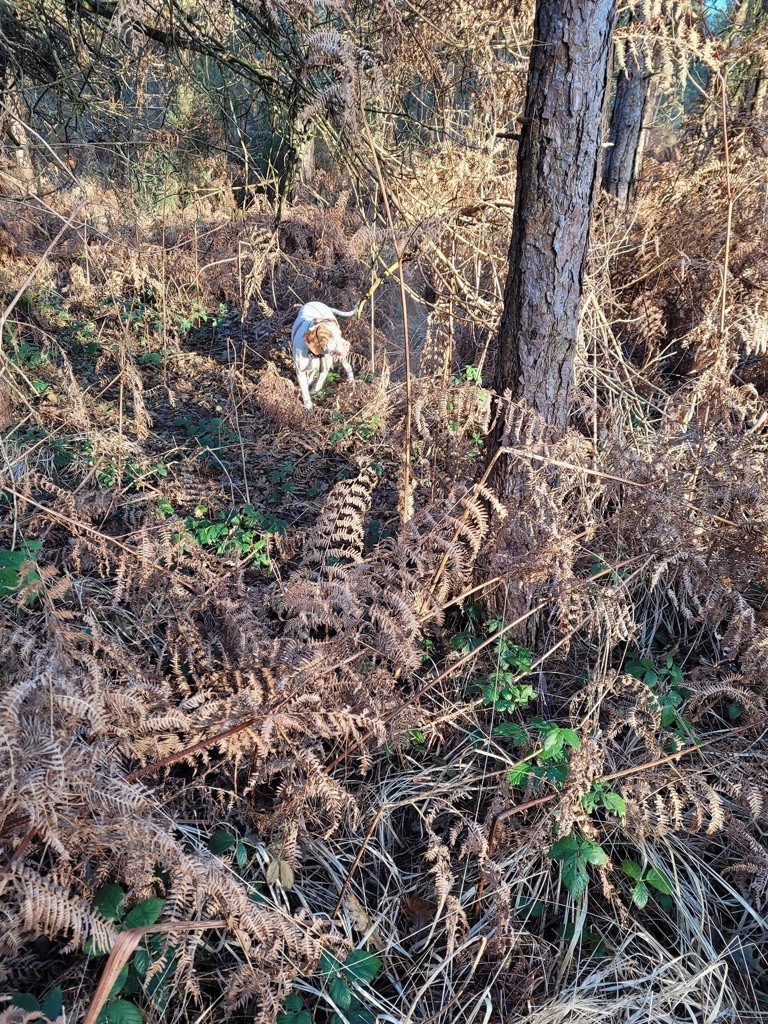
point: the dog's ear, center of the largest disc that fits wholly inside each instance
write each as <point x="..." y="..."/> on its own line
<point x="312" y="342"/>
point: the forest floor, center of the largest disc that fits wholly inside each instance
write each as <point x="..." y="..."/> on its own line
<point x="407" y="746"/>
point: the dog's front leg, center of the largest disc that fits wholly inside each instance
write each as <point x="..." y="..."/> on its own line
<point x="325" y="365"/>
<point x="348" y="370"/>
<point x="304" y="387"/>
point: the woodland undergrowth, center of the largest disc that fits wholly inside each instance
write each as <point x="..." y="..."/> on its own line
<point x="503" y="760"/>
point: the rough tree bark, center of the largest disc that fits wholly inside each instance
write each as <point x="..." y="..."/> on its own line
<point x="627" y="133"/>
<point x="756" y="86"/>
<point x="557" y="173"/>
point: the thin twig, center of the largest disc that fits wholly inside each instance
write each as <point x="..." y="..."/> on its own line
<point x="729" y="208"/>
<point x="406" y="509"/>
<point x="20" y="850"/>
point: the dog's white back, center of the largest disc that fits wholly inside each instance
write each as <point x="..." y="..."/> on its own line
<point x="307" y="363"/>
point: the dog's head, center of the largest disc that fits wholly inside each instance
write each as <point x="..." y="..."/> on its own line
<point x="324" y="338"/>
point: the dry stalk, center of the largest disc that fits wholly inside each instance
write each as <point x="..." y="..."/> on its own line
<point x="406" y="509"/>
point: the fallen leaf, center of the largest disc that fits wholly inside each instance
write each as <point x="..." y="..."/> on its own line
<point x="280" y="872"/>
<point x="358" y="918"/>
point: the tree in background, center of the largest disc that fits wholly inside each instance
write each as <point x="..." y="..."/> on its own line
<point x="629" y="115"/>
<point x="557" y="168"/>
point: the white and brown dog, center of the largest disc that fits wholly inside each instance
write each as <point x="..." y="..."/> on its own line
<point x="317" y="340"/>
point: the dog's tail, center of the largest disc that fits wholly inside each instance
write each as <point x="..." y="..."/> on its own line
<point x="347" y="313"/>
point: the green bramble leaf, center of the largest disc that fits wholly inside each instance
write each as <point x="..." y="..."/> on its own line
<point x="590" y="801"/>
<point x="329" y="964"/>
<point x="356" y="1014"/>
<point x="629" y="867"/>
<point x="517" y="775"/>
<point x="361" y="965"/>
<point x="553" y="743"/>
<point x="91" y="949"/>
<point x="615" y="804"/>
<point x="145" y="913"/>
<point x="221" y="841"/>
<point x="340" y="992"/>
<point x="293" y="1002"/>
<point x="658" y="881"/>
<point x="565" y="848"/>
<point x="120" y="1011"/>
<point x="26" y="1001"/>
<point x="571" y="738"/>
<point x="119" y="982"/>
<point x="141" y="961"/>
<point x="640" y="894"/>
<point x="110" y="902"/>
<point x="293" y="1011"/>
<point x="593" y="852"/>
<point x="53" y="1004"/>
<point x="574" y="875"/>
<point x="668" y="717"/>
<point x="516" y="732"/>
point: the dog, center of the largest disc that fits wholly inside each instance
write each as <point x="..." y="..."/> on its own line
<point x="317" y="340"/>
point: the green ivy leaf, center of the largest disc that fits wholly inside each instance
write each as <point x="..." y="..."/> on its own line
<point x="640" y="894"/>
<point x="361" y="965"/>
<point x="241" y="856"/>
<point x="144" y="913"/>
<point x="658" y="881"/>
<point x="110" y="902"/>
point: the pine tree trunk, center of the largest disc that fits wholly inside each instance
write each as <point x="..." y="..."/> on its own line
<point x="756" y="87"/>
<point x="557" y="173"/>
<point x="627" y="133"/>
